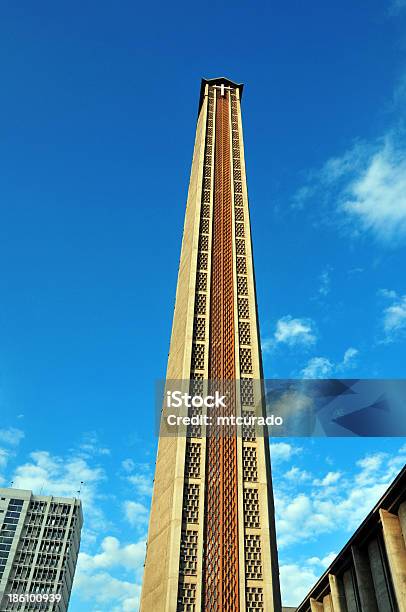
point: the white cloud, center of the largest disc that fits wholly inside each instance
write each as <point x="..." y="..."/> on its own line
<point x="329" y="479"/>
<point x="4" y="457"/>
<point x="93" y="583"/>
<point x="52" y="473"/>
<point x="128" y="465"/>
<point x="318" y="367"/>
<point x="367" y="186"/>
<point x="102" y="588"/>
<point x="11" y="436"/>
<point x="282" y="451"/>
<point x="336" y="501"/>
<point x="371" y="463"/>
<point x="139" y="475"/>
<point x="370" y="466"/>
<point x="296" y="581"/>
<point x="295" y="331"/>
<point x="356" y="270"/>
<point x="318" y="514"/>
<point x="325" y="282"/>
<point x="349" y="356"/>
<point x="62" y="476"/>
<point x="142" y="484"/>
<point x="295" y="474"/>
<point x="292" y="332"/>
<point x="394" y="318"/>
<point x="130" y="556"/>
<point x="322" y="367"/>
<point x="91" y="445"/>
<point x="388" y="293"/>
<point x="135" y="513"/>
<point x="397" y="7"/>
<point x="325" y="562"/>
<point x="377" y="196"/>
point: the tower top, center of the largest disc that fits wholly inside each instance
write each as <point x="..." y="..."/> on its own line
<point x="218" y="81"/>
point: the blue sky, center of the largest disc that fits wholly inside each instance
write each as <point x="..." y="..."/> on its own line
<point x="99" y="106"/>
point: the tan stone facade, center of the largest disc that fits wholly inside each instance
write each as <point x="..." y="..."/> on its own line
<point x="211" y="540"/>
<point x="369" y="575"/>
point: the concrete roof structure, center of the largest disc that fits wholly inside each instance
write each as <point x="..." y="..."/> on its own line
<point x="382" y="533"/>
<point x="219" y="81"/>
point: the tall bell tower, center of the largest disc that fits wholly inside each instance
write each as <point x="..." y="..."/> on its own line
<point x="211" y="541"/>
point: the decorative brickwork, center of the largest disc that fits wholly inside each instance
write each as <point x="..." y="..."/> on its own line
<point x="255" y="599"/>
<point x="187" y="597"/>
<point x="250" y="464"/>
<point x="253" y="561"/>
<point x="193" y="457"/>
<point x="251" y="508"/>
<point x="188" y="552"/>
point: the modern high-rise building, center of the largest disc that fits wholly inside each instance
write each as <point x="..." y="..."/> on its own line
<point x="211" y="540"/>
<point x="39" y="545"/>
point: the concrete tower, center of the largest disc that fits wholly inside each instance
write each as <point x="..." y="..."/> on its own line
<point x="211" y="541"/>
